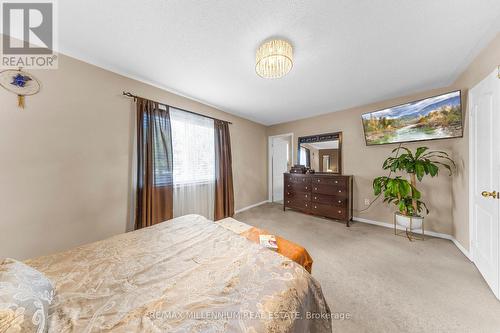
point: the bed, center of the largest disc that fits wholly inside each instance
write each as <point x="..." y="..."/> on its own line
<point x="183" y="275"/>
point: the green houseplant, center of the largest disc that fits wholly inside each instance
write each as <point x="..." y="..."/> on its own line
<point x="403" y="193"/>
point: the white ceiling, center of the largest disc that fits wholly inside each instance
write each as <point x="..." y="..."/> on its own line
<point x="347" y="53"/>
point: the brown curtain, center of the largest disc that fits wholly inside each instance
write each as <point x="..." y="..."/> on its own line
<point x="154" y="165"/>
<point x="224" y="194"/>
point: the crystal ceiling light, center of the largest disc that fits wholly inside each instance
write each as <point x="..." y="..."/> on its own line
<point x="274" y="59"/>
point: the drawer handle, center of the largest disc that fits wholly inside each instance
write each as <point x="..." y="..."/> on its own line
<point x="340" y="212"/>
<point x="288" y="185"/>
<point x="319" y="180"/>
<point x="336" y="182"/>
<point x="340" y="191"/>
<point x="315" y="207"/>
<point x="303" y="180"/>
<point x="315" y="198"/>
<point x="315" y="188"/>
<point x="289" y="194"/>
<point x="306" y="205"/>
<point x="288" y="202"/>
<point x="340" y="201"/>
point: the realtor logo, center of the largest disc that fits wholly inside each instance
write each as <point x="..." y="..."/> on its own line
<point x="28" y="31"/>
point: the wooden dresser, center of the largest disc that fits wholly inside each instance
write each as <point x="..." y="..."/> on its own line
<point x="327" y="195"/>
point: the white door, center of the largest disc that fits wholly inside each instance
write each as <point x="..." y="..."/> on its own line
<point x="279" y="165"/>
<point x="484" y="106"/>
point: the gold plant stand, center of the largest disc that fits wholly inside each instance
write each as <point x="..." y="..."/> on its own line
<point x="408" y="232"/>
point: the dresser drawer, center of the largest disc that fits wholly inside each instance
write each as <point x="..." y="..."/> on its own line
<point x="298" y="195"/>
<point x="337" y="201"/>
<point x="298" y="187"/>
<point x="330" y="211"/>
<point x="329" y="190"/>
<point x="297" y="203"/>
<point x="298" y="179"/>
<point x="335" y="181"/>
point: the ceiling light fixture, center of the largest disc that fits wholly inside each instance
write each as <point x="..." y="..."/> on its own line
<point x="274" y="59"/>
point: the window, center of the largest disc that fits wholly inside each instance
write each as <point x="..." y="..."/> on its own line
<point x="190" y="167"/>
<point x="162" y="176"/>
<point x="193" y="148"/>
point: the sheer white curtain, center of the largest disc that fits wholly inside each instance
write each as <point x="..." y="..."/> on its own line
<point x="194" y="164"/>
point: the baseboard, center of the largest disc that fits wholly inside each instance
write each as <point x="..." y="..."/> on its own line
<point x="430" y="233"/>
<point x="461" y="248"/>
<point x="390" y="225"/>
<point x="251" y="206"/>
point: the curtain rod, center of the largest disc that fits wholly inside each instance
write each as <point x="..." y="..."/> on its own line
<point x="128" y="94"/>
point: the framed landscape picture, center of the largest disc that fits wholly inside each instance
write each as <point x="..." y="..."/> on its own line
<point x="437" y="117"/>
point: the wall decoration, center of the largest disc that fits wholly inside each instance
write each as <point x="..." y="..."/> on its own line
<point x="20" y="83"/>
<point x="437" y="117"/>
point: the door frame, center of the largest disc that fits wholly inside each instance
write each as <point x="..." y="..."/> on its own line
<point x="270" y="160"/>
<point x="472" y="170"/>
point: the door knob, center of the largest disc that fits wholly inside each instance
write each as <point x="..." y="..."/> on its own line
<point x="493" y="194"/>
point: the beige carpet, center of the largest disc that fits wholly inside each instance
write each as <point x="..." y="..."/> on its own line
<point x="384" y="282"/>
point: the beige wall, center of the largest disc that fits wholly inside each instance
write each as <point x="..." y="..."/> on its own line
<point x="446" y="196"/>
<point x="66" y="159"/>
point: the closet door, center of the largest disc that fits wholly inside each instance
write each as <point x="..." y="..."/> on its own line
<point x="484" y="108"/>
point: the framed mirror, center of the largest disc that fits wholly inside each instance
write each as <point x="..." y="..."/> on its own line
<point x="322" y="152"/>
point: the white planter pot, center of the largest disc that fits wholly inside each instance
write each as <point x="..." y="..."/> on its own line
<point x="404" y="221"/>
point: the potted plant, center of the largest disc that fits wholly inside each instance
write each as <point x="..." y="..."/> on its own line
<point x="403" y="193"/>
